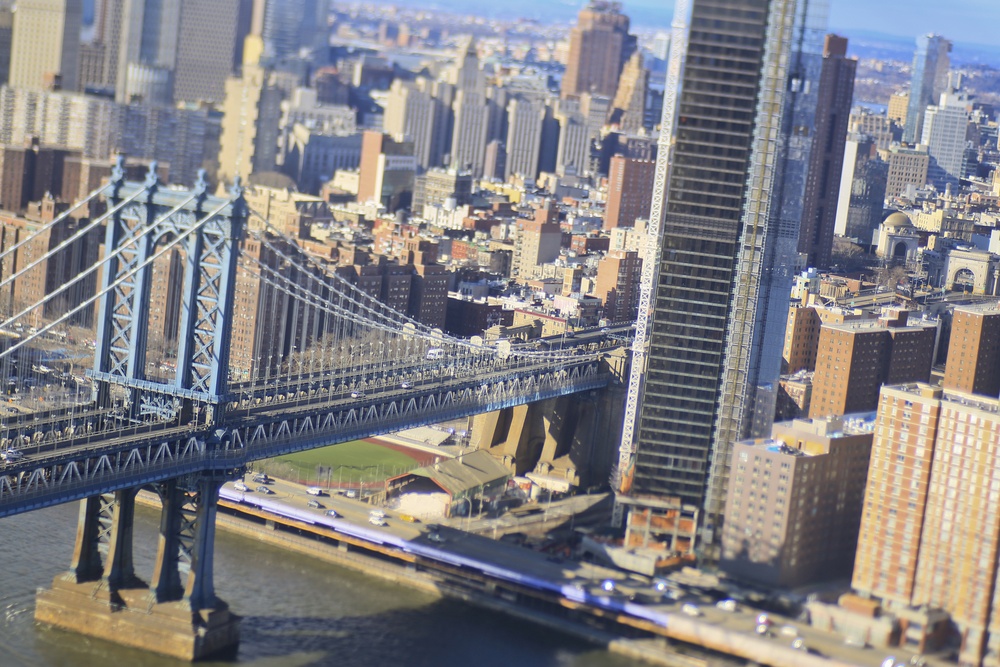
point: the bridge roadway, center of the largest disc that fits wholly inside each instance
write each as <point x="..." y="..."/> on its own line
<point x="69" y="467"/>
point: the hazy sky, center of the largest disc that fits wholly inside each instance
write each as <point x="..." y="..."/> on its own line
<point x="970" y="21"/>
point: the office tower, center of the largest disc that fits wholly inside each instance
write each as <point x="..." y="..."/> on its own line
<point x="387" y="170"/>
<point x="573" y="152"/>
<point x="896" y="111"/>
<point x="598" y="47"/>
<point x="209" y="47"/>
<point x="628" y="110"/>
<point x="908" y="168"/>
<point x="468" y="140"/>
<point x="861" y="197"/>
<point x="973" y="364"/>
<point x="617" y="284"/>
<point x="436" y="187"/>
<point x="630" y="191"/>
<point x="729" y="241"/>
<point x="927" y="81"/>
<point x="77" y="122"/>
<point x="794" y="505"/>
<point x="833" y="106"/>
<point x="930" y="531"/>
<point x="411" y="112"/>
<point x="250" y="124"/>
<point x="312" y="157"/>
<point x="45" y="44"/>
<point x="524" y="136"/>
<point x="946" y="126"/>
<point x="140" y="62"/>
<point x="855" y="359"/>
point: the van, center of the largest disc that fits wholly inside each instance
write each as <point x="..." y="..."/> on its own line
<point x="435" y="353"/>
<point x="314" y="491"/>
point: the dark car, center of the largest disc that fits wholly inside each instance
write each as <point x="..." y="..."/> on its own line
<point x="264" y="490"/>
<point x="315" y="504"/>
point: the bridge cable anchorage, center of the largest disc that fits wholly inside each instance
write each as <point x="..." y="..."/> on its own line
<point x="78" y="235"/>
<point x="114" y="285"/>
<point x="54" y="222"/>
<point x="374" y="306"/>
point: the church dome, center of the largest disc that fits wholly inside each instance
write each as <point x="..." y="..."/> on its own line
<point x="897" y="219"/>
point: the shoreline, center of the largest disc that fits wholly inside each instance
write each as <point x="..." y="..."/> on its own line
<point x="653" y="651"/>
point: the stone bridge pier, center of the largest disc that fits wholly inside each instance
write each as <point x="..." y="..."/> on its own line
<point x="177" y="613"/>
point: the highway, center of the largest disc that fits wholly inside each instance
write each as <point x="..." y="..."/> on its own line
<point x="633" y="600"/>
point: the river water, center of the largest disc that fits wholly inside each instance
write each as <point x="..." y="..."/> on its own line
<point x="297" y="611"/>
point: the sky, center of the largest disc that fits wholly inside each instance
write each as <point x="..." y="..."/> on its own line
<point x="969" y="21"/>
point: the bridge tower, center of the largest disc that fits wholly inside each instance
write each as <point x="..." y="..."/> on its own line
<point x="179" y="613"/>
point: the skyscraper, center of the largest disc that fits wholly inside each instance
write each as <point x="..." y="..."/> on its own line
<point x="524" y="135"/>
<point x="209" y="47"/>
<point x="927" y="82"/>
<point x="946" y="126"/>
<point x="45" y="44"/>
<point x="833" y="110"/>
<point x="628" y="109"/>
<point x="729" y="241"/>
<point x="630" y="191"/>
<point x="598" y="47"/>
<point x="862" y="189"/>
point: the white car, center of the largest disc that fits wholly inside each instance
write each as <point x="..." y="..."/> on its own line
<point x="377" y="514"/>
<point x="690" y="610"/>
<point x="357" y="394"/>
<point x="376" y="521"/>
<point x="789" y="631"/>
<point x="406" y="385"/>
<point x="728" y="605"/>
<point x="11" y="455"/>
<point x="240" y="486"/>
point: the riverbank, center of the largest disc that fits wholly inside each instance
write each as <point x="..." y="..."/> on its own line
<point x="404" y="569"/>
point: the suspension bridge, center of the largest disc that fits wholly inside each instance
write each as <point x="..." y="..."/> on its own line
<point x="160" y="338"/>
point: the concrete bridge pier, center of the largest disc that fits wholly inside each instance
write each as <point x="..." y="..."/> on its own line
<point x="178" y="613"/>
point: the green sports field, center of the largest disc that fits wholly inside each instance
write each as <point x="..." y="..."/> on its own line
<point x="348" y="464"/>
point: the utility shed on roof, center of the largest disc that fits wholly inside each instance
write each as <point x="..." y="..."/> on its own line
<point x="473" y="476"/>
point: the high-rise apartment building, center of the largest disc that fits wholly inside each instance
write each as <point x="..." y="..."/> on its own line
<point x="468" y="140"/>
<point x="856" y="358"/>
<point x="387" y="171"/>
<point x="927" y="81"/>
<point x="729" y="242"/>
<point x="538" y="242"/>
<point x="617" y="284"/>
<point x="45" y="44"/>
<point x="930" y="529"/>
<point x="833" y="106"/>
<point x="412" y="112"/>
<point x="209" y="47"/>
<point x="973" y="364"/>
<point x="794" y="506"/>
<point x="598" y="47"/>
<point x="630" y="191"/>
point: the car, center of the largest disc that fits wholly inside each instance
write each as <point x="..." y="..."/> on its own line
<point x="763" y="629"/>
<point x="315" y="491"/>
<point x="357" y="394"/>
<point x="315" y="504"/>
<point x="608" y="585"/>
<point x="263" y="489"/>
<point x="789" y="631"/>
<point x="377" y="514"/>
<point x="800" y="645"/>
<point x="728" y="605"/>
<point x="763" y="619"/>
<point x="435" y="537"/>
<point x="409" y="518"/>
<point x="351" y="493"/>
<point x="856" y="642"/>
<point x="240" y="486"/>
<point x="11" y="455"/>
<point x="406" y="385"/>
<point x="333" y="514"/>
<point x="262" y="478"/>
<point x="376" y="521"/>
<point x="690" y="609"/>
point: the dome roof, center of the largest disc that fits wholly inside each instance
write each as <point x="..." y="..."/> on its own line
<point x="897" y="219"/>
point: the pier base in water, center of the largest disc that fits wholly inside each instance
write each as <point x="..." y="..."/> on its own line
<point x="132" y="617"/>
